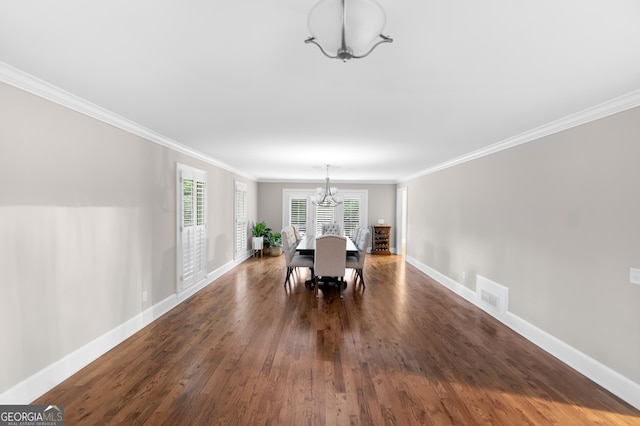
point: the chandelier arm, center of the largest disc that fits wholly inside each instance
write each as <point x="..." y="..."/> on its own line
<point x="385" y="39"/>
<point x="313" y="41"/>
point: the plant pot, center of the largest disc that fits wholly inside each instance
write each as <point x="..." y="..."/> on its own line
<point x="276" y="251"/>
<point x="257" y="243"/>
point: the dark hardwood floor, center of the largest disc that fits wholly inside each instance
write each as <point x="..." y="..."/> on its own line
<point x="403" y="351"/>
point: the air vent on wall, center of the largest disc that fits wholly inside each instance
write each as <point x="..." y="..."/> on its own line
<point x="492" y="295"/>
<point x="489" y="298"/>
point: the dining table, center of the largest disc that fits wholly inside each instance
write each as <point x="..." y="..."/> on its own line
<point x="307" y="245"/>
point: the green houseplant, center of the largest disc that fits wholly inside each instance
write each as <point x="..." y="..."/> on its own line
<point x="260" y="229"/>
<point x="260" y="232"/>
<point x="274" y="240"/>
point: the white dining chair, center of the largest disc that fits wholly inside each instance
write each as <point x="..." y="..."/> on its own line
<point x="356" y="234"/>
<point x="293" y="260"/>
<point x="330" y="260"/>
<point x="296" y="232"/>
<point x="356" y="262"/>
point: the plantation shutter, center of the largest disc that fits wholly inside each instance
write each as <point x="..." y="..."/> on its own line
<point x="324" y="215"/>
<point x="187" y="231"/>
<point x="351" y="215"/>
<point x="241" y="219"/>
<point x="192" y="226"/>
<point x="298" y="216"/>
<point x="200" y="231"/>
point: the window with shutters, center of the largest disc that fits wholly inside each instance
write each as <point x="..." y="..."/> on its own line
<point x="192" y="226"/>
<point x="350" y="215"/>
<point x="325" y="215"/>
<point x="295" y="209"/>
<point x="241" y="234"/>
<point x="298" y="213"/>
<point x="299" y="210"/>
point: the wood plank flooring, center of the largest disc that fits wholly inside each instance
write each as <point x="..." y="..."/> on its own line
<point x="403" y="351"/>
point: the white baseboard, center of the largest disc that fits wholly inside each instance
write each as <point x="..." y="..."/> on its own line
<point x="621" y="386"/>
<point x="34" y="386"/>
<point x="49" y="377"/>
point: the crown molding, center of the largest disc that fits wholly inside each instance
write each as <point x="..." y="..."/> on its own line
<point x="320" y="182"/>
<point x="613" y="106"/>
<point x="34" y="85"/>
<point x="41" y="88"/>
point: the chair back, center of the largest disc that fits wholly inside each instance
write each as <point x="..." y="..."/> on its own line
<point x="288" y="243"/>
<point x="330" y="256"/>
<point x="296" y="232"/>
<point x="357" y="262"/>
<point x="356" y="234"/>
<point x="363" y="242"/>
<point x="331" y="229"/>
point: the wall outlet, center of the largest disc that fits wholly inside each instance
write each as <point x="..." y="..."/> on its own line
<point x="634" y="275"/>
<point x="144" y="296"/>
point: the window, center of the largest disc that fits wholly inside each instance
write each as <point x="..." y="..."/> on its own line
<point x="295" y="209"/>
<point x="324" y="215"/>
<point x="192" y="226"/>
<point x="299" y="210"/>
<point x="298" y="214"/>
<point x="241" y="220"/>
<point x="351" y="215"/>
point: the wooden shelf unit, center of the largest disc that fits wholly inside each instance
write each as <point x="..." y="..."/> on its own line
<point x="381" y="238"/>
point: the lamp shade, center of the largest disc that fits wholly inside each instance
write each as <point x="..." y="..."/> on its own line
<point x="364" y="21"/>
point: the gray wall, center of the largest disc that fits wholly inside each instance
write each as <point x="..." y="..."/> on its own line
<point x="87" y="222"/>
<point x="382" y="198"/>
<point x="557" y="221"/>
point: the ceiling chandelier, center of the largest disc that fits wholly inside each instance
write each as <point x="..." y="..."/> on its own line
<point x="348" y="29"/>
<point x="327" y="196"/>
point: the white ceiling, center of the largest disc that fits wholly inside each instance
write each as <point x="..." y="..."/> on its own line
<point x="235" y="81"/>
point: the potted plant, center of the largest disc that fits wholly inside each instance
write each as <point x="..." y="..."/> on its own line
<point x="260" y="230"/>
<point x="275" y="242"/>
